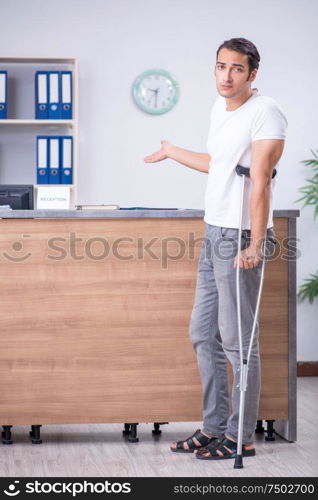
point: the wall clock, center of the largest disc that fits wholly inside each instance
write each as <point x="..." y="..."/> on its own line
<point x="155" y="91"/>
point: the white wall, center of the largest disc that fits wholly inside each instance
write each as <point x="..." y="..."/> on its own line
<point x="115" y="40"/>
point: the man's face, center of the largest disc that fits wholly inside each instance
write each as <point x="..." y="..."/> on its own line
<point x="231" y="74"/>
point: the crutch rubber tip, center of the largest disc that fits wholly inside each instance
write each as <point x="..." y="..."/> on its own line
<point x="238" y="464"/>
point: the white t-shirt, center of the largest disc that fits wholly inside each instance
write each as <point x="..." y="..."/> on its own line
<point x="229" y="144"/>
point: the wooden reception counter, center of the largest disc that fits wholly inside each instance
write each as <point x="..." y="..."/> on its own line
<point x="94" y="315"/>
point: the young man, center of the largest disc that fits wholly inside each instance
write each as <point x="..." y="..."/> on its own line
<point x="246" y="129"/>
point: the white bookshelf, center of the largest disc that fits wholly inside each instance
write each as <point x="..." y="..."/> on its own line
<point x="20" y="131"/>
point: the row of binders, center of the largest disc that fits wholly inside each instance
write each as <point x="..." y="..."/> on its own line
<point x="53" y="95"/>
<point x="54" y="159"/>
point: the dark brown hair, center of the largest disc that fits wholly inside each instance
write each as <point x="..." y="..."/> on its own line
<point x="244" y="47"/>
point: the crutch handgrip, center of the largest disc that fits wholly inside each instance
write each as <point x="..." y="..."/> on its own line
<point x="246" y="171"/>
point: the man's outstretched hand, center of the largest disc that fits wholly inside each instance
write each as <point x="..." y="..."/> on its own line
<point x="161" y="154"/>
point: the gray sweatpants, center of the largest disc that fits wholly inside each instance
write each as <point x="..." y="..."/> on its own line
<point x="214" y="332"/>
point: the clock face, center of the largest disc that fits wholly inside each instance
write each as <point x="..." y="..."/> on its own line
<point x="155" y="91"/>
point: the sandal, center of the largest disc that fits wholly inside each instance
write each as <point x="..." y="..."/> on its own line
<point x="213" y="454"/>
<point x="203" y="440"/>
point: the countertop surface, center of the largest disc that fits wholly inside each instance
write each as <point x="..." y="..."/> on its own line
<point x="118" y="214"/>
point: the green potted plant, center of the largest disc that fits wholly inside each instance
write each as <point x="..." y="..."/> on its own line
<point x="309" y="289"/>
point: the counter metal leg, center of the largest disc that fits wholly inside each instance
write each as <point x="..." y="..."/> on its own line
<point x="35" y="434"/>
<point x="133" y="434"/>
<point x="6" y="434"/>
<point x="126" y="430"/>
<point x="259" y="427"/>
<point x="270" y="431"/>
<point x="156" y="431"/>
